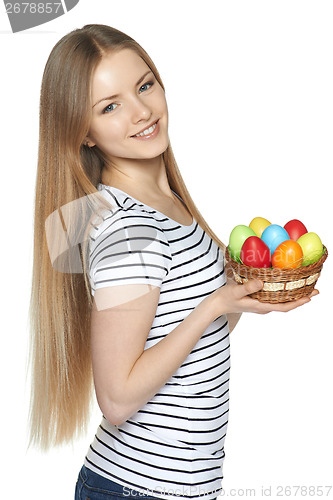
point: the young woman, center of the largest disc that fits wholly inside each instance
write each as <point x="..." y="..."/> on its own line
<point x="148" y="314"/>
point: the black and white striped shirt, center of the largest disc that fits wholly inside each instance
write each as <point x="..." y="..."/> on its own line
<point x="174" y="446"/>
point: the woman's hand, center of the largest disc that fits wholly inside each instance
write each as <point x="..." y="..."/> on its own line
<point x="234" y="298"/>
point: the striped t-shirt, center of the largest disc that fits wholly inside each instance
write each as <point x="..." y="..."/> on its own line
<point x="173" y="447"/>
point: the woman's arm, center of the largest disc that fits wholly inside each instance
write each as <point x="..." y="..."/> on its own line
<point x="127" y="376"/>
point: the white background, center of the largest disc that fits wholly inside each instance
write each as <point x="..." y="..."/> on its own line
<point x="249" y="87"/>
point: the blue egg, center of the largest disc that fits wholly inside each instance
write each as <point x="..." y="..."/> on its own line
<point x="273" y="235"/>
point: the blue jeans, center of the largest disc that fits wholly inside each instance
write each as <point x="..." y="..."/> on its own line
<point x="92" y="486"/>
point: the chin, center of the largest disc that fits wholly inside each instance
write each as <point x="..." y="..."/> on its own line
<point x="155" y="152"/>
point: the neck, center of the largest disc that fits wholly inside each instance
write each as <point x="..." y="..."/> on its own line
<point x="141" y="177"/>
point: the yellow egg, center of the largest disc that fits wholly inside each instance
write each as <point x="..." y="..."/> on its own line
<point x="258" y="225"/>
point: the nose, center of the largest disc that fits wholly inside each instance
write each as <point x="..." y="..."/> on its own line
<point x="140" y="110"/>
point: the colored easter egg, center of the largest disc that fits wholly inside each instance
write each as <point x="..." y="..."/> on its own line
<point x="255" y="253"/>
<point x="295" y="228"/>
<point x="259" y="224"/>
<point x="312" y="248"/>
<point x="237" y="237"/>
<point x="273" y="235"/>
<point x="288" y="255"/>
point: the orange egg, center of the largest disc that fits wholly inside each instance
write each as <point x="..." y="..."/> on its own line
<point x="288" y="255"/>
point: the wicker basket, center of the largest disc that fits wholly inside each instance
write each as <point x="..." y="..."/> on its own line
<point x="280" y="285"/>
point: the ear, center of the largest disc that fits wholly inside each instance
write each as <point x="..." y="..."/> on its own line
<point x="88" y="142"/>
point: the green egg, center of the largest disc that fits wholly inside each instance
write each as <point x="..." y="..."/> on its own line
<point x="237" y="237"/>
<point x="312" y="248"/>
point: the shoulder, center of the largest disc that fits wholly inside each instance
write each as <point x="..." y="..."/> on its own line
<point x="127" y="226"/>
<point x="125" y="213"/>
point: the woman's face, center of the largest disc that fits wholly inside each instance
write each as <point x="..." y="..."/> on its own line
<point x="127" y="101"/>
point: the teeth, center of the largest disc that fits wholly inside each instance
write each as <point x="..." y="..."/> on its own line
<point x="147" y="131"/>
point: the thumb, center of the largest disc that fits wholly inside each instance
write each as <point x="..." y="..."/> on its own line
<point x="250" y="287"/>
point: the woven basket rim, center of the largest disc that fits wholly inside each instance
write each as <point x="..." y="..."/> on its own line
<point x="277" y="273"/>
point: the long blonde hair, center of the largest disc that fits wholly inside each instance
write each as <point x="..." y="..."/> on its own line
<point x="60" y="308"/>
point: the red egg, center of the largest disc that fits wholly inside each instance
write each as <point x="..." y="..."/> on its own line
<point x="295" y="228"/>
<point x="255" y="253"/>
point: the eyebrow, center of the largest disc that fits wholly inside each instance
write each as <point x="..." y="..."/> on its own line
<point x="109" y="98"/>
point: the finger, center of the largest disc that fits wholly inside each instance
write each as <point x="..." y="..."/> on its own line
<point x="289" y="306"/>
<point x="303" y="300"/>
<point x="267" y="307"/>
<point x="251" y="286"/>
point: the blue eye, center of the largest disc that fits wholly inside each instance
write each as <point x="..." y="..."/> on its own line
<point x="109" y="108"/>
<point x="146" y="86"/>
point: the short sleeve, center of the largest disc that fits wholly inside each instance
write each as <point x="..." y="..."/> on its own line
<point x="128" y="248"/>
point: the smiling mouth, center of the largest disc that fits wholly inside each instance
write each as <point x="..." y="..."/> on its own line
<point x="147" y="131"/>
